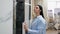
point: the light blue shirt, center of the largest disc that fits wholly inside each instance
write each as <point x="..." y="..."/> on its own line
<point x="38" y="26"/>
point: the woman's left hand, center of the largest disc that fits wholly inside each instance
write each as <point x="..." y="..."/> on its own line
<point x="25" y="27"/>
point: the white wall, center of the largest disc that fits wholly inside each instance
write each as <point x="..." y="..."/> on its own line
<point x="27" y="10"/>
<point x="6" y="16"/>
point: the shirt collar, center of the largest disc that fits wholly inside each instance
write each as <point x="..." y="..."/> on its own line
<point x="39" y="16"/>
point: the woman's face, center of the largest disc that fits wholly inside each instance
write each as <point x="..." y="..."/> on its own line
<point x="36" y="9"/>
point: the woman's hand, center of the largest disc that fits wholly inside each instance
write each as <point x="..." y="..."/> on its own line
<point x="25" y="27"/>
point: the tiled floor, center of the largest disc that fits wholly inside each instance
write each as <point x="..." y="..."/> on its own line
<point x="51" y="32"/>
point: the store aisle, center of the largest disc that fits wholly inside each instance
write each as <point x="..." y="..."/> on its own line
<point x="52" y="32"/>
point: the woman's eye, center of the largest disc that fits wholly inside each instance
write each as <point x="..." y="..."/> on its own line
<point x="36" y="7"/>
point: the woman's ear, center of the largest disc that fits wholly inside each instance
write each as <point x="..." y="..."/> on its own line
<point x="40" y="10"/>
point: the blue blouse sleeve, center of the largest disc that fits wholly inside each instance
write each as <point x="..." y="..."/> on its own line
<point x="39" y="30"/>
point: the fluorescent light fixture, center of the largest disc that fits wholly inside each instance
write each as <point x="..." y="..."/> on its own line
<point x="27" y="4"/>
<point x="53" y="0"/>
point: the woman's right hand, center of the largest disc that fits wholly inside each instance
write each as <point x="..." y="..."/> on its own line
<point x="25" y="26"/>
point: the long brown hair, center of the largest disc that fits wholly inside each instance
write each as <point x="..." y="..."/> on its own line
<point x="41" y="13"/>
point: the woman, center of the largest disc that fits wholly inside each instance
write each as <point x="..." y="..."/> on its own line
<point x="38" y="25"/>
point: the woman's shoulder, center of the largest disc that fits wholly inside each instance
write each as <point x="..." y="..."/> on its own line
<point x="41" y="19"/>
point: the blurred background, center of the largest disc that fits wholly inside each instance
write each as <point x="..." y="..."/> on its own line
<point x="14" y="12"/>
<point x="51" y="10"/>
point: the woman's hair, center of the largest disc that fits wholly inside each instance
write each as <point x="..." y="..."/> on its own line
<point x="41" y="13"/>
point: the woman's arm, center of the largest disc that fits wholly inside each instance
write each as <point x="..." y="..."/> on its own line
<point x="38" y="31"/>
<point x="39" y="28"/>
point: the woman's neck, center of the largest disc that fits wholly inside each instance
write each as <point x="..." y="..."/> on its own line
<point x="37" y="14"/>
